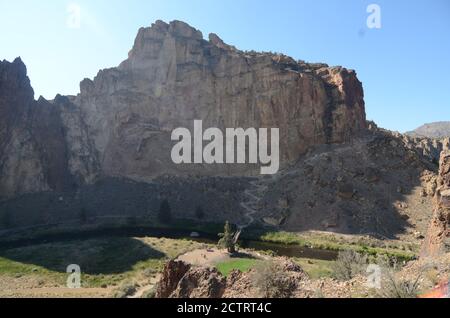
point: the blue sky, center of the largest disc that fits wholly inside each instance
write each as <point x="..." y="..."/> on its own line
<point x="404" y="65"/>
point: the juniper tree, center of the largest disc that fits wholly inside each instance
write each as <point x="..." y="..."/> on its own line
<point x="227" y="239"/>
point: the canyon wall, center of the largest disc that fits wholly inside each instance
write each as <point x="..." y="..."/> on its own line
<point x="33" y="148"/>
<point x="120" y="124"/>
<point x="438" y="237"/>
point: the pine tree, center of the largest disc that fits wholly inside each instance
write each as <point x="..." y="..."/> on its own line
<point x="227" y="239"/>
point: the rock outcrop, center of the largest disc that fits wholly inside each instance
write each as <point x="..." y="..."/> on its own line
<point x="173" y="76"/>
<point x="33" y="154"/>
<point x="182" y="280"/>
<point x="429" y="148"/>
<point x="438" y="237"/>
<point x="121" y="122"/>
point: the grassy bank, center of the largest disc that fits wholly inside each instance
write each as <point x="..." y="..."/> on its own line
<point x="335" y="242"/>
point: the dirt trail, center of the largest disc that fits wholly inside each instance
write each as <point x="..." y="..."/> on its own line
<point x="251" y="206"/>
<point x="57" y="292"/>
<point x="145" y="287"/>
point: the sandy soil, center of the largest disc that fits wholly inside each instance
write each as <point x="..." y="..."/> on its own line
<point x="205" y="257"/>
<point x="56" y="292"/>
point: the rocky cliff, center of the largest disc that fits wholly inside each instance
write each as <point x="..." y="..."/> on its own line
<point x="438" y="237"/>
<point x="173" y="76"/>
<point x="120" y="123"/>
<point x="33" y="154"/>
<point x="184" y="280"/>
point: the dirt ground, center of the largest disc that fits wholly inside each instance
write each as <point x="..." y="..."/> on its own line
<point x="57" y="292"/>
<point x="205" y="257"/>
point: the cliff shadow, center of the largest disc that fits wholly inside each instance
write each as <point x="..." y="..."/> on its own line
<point x="109" y="255"/>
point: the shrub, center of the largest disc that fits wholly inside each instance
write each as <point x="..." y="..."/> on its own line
<point x="165" y="213"/>
<point x="125" y="290"/>
<point x="151" y="293"/>
<point x="348" y="265"/>
<point x="150" y="272"/>
<point x="393" y="287"/>
<point x="270" y="280"/>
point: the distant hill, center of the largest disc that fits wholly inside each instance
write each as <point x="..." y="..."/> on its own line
<point x="433" y="130"/>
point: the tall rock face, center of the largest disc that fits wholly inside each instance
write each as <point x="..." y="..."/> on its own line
<point x="173" y="77"/>
<point x="121" y="122"/>
<point x="438" y="237"/>
<point x="32" y="144"/>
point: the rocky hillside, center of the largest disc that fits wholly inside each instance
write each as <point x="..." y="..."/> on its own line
<point x="120" y="123"/>
<point x="183" y="280"/>
<point x="436" y="130"/>
<point x="289" y="280"/>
